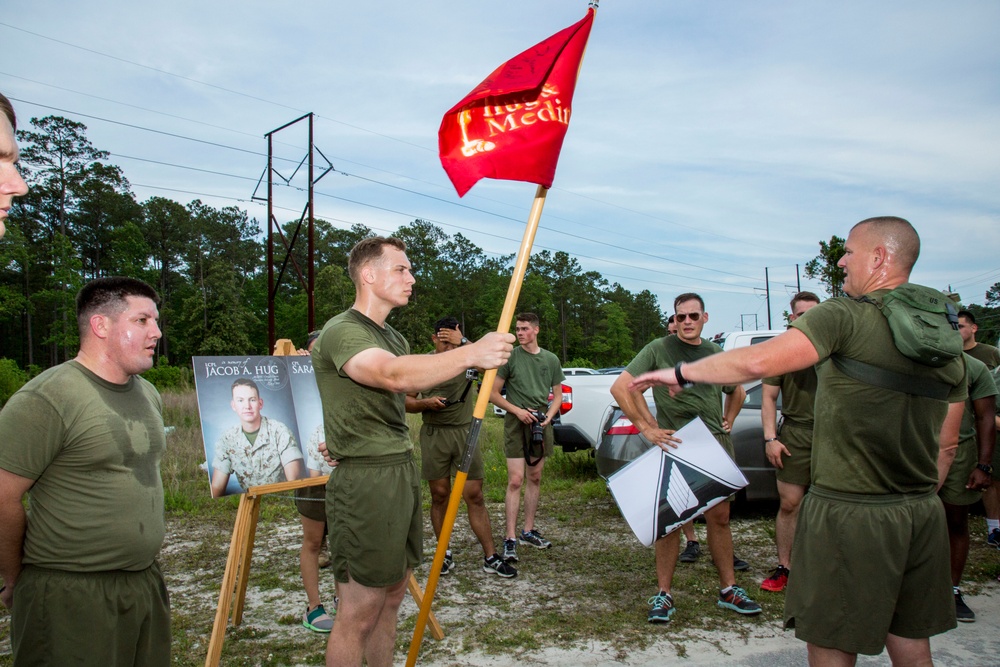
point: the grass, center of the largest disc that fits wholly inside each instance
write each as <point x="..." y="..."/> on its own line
<point x="592" y="585"/>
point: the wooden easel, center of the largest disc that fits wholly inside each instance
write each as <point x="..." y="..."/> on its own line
<point x="234" y="581"/>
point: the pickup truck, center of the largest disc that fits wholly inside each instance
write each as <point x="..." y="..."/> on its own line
<point x="587" y="398"/>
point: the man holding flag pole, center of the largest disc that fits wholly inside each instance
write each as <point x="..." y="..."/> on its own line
<point x="511" y="126"/>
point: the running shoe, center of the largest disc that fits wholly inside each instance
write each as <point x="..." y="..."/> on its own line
<point x="691" y="552"/>
<point x="740" y="565"/>
<point x="496" y="565"/>
<point x="962" y="612"/>
<point x="777" y="581"/>
<point x="738" y="600"/>
<point x="535" y="539"/>
<point x="317" y="620"/>
<point x="447" y="565"/>
<point x="510" y="551"/>
<point x="662" y="608"/>
<point x="993" y="539"/>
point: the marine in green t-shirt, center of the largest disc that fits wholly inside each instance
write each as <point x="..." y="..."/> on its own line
<point x="871" y="523"/>
<point x="83" y="441"/>
<point x="977" y="438"/>
<point x="788" y="445"/>
<point x="530" y="376"/>
<point x="363" y="371"/>
<point x="988" y="354"/>
<point x="446" y="415"/>
<point x="672" y="413"/>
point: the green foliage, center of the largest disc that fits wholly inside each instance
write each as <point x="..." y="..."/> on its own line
<point x="12" y="378"/>
<point x="166" y="377"/>
<point x="824" y="267"/>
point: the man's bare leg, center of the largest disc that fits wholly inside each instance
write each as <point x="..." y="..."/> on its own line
<point x="532" y="492"/>
<point x="666" y="559"/>
<point x="479" y="519"/>
<point x="440" y="493"/>
<point x="720" y="543"/>
<point x="784" y="525"/>
<point x="908" y="652"/>
<point x="312" y="542"/>
<point x="821" y="656"/>
<point x="366" y="625"/>
<point x="512" y="501"/>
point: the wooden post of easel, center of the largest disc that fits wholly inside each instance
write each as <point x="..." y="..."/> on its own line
<point x="237" y="574"/>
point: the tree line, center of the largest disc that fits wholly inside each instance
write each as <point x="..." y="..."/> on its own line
<point x="80" y="220"/>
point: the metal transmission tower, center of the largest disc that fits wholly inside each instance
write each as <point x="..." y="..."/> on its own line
<point x="307" y="281"/>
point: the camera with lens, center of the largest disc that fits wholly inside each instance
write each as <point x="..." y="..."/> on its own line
<point x="537" y="431"/>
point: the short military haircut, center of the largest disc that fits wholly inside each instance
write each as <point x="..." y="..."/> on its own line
<point x="245" y="382"/>
<point x="445" y="323"/>
<point x="670" y="320"/>
<point x="8" y="110"/>
<point x="530" y="318"/>
<point x="369" y="250"/>
<point x="803" y="296"/>
<point x="898" y="236"/>
<point x="689" y="296"/>
<point x="967" y="315"/>
<point x="311" y="338"/>
<point x="107" y="296"/>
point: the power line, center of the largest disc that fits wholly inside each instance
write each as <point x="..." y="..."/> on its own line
<point x="402" y="189"/>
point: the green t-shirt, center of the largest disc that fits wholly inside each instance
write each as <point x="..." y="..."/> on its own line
<point x="359" y="420"/>
<point x="981" y="385"/>
<point x="456" y="414"/>
<point x="93" y="448"/>
<point x="529" y="378"/>
<point x="987" y="354"/>
<point x="798" y="395"/>
<point x="866" y="439"/>
<point x="701" y="400"/>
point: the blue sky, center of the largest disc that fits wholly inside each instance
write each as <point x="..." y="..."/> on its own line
<point x="709" y="140"/>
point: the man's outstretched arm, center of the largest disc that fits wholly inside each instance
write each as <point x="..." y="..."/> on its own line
<point x="787" y="352"/>
<point x="381" y="369"/>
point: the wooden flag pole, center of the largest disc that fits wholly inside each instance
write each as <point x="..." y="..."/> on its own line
<point x="503" y="326"/>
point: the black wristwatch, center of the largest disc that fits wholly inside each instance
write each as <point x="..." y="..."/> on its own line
<point x="685" y="384"/>
<point x="986" y="468"/>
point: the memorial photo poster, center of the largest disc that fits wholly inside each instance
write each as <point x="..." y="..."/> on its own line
<point x="660" y="491"/>
<point x="274" y="400"/>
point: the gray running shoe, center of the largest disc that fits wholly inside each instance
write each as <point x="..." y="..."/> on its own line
<point x="535" y="539"/>
<point x="691" y="552"/>
<point x="740" y="565"/>
<point x="510" y="551"/>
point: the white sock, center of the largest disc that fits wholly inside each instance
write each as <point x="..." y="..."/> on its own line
<point x="991" y="525"/>
<point x="725" y="590"/>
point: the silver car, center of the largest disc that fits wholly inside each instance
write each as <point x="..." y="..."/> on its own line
<point x="621" y="443"/>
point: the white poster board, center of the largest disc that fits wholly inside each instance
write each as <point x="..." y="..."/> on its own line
<point x="660" y="491"/>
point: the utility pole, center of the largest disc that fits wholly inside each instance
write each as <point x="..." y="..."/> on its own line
<point x="798" y="282"/>
<point x="274" y="228"/>
<point x="767" y="288"/>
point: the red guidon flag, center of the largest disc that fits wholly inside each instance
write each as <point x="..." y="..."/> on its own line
<point x="512" y="125"/>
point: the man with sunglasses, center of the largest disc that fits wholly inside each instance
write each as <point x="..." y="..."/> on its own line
<point x="672" y="413"/>
<point x="871" y="551"/>
<point x="447" y="415"/>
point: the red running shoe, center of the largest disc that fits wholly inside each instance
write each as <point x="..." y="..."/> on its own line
<point x="777" y="581"/>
